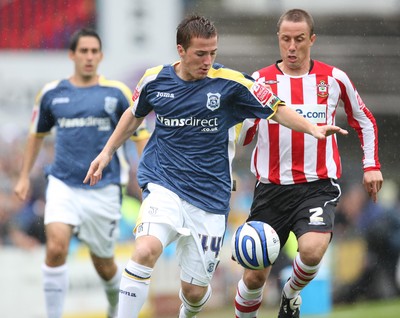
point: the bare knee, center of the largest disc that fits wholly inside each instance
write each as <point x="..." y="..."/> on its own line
<point x="56" y="253"/>
<point x="255" y="279"/>
<point x="311" y="258"/>
<point x="147" y="250"/>
<point x="105" y="267"/>
<point x="312" y="247"/>
<point x="193" y="293"/>
<point x="58" y="236"/>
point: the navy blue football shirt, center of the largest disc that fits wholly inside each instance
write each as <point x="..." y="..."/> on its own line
<point x="190" y="151"/>
<point x="84" y="118"/>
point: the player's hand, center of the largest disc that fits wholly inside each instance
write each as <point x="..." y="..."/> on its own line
<point x="373" y="181"/>
<point x="22" y="188"/>
<point x="321" y="132"/>
<point x="96" y="168"/>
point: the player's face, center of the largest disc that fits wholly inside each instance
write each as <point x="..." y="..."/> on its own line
<point x="86" y="57"/>
<point x="198" y="58"/>
<point x="295" y="43"/>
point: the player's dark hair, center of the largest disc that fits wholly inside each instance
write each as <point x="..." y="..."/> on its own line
<point x="73" y="42"/>
<point x="297" y="15"/>
<point x="194" y="26"/>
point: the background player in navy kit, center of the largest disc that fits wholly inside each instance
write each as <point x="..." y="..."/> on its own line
<point x="296" y="189"/>
<point x="185" y="171"/>
<point x="85" y="110"/>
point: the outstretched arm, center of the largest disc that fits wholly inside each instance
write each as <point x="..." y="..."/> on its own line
<point x="125" y="128"/>
<point x="291" y="119"/>
<point x="33" y="147"/>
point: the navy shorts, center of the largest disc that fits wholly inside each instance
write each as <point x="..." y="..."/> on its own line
<point x="300" y="208"/>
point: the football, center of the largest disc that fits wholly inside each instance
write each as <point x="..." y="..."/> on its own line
<point x="255" y="245"/>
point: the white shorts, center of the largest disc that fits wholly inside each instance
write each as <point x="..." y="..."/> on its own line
<point x="198" y="234"/>
<point x="94" y="213"/>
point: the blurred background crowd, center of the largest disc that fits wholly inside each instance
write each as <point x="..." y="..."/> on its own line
<point x="361" y="38"/>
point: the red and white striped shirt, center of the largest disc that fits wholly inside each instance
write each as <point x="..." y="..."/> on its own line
<point x="283" y="156"/>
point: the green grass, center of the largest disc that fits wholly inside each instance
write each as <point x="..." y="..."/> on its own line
<point x="376" y="309"/>
<point x="384" y="309"/>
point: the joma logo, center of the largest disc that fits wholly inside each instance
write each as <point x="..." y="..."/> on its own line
<point x="163" y="94"/>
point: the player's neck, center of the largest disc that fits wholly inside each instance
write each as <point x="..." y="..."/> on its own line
<point x="182" y="74"/>
<point x="298" y="71"/>
<point x="82" y="81"/>
<point x="178" y="71"/>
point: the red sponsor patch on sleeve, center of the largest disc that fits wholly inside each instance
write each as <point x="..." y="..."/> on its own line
<point x="262" y="93"/>
<point x="136" y="94"/>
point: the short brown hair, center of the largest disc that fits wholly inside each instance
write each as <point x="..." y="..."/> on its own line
<point x="297" y="15"/>
<point x="194" y="26"/>
<point x="73" y="42"/>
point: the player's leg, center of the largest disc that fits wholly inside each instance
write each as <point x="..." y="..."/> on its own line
<point x="198" y="255"/>
<point x="249" y="292"/>
<point x="54" y="270"/>
<point x="193" y="299"/>
<point x="266" y="207"/>
<point x="159" y="218"/>
<point x="100" y="214"/>
<point x="312" y="247"/>
<point x="110" y="275"/>
<point x="136" y="277"/>
<point x="313" y="225"/>
<point x="60" y="215"/>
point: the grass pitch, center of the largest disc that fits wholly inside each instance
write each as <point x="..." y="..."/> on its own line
<point x="376" y="309"/>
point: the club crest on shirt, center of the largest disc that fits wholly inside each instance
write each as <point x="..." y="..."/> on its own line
<point x="139" y="229"/>
<point x="322" y="89"/>
<point x="110" y="104"/>
<point x="213" y="101"/>
<point x="211" y="267"/>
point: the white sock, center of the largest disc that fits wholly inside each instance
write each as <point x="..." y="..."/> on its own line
<point x="189" y="310"/>
<point x="134" y="289"/>
<point x="55" y="286"/>
<point x="111" y="288"/>
<point x="302" y="275"/>
<point x="247" y="302"/>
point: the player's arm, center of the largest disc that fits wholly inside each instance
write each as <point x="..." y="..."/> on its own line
<point x="33" y="146"/>
<point x="126" y="126"/>
<point x="361" y="120"/>
<point x="141" y="135"/>
<point x="291" y="119"/>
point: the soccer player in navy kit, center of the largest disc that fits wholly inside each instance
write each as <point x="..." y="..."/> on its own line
<point x="185" y="170"/>
<point x="84" y="109"/>
<point x="296" y="175"/>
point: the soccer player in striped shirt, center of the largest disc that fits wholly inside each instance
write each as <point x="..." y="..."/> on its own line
<point x="84" y="109"/>
<point x="296" y="175"/>
<point x="185" y="170"/>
